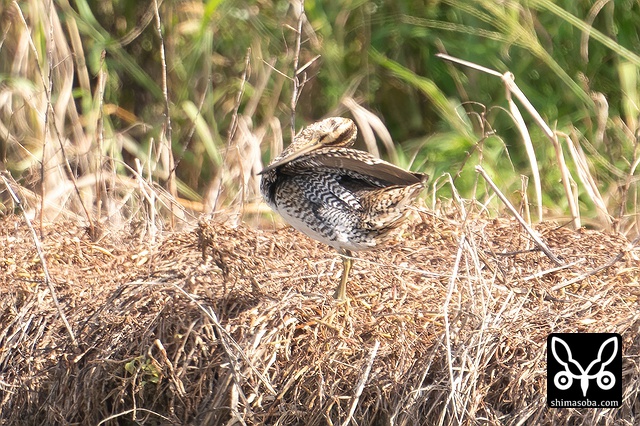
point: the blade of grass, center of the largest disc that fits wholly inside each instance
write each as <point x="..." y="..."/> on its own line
<point x="583" y="26"/>
<point x="512" y="88"/>
<point x="443" y="107"/>
<point x="534" y="235"/>
<point x="210" y="140"/>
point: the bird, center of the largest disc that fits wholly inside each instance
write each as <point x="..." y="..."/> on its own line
<point x="340" y="196"/>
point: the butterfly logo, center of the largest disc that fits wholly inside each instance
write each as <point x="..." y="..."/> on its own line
<point x="563" y="380"/>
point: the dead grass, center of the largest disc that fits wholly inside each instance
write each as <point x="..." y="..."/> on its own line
<point x="228" y="324"/>
<point x="447" y="327"/>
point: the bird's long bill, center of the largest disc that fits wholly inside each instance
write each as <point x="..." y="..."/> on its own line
<point x="304" y="150"/>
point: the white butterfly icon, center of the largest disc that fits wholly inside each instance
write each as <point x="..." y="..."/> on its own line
<point x="564" y="379"/>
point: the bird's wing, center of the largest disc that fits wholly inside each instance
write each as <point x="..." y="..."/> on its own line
<point x="368" y="167"/>
<point x="355" y="164"/>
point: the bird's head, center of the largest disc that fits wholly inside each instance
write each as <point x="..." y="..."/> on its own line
<point x="333" y="131"/>
<point x="330" y="132"/>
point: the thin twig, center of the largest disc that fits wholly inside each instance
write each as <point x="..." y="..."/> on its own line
<point x="43" y="261"/>
<point x="519" y="121"/>
<point x="164" y="197"/>
<point x="236" y="107"/>
<point x="133" y="410"/>
<point x="512" y="88"/>
<point x="524" y="180"/>
<point x="296" y="60"/>
<point x="531" y="153"/>
<point x="594" y="271"/>
<point x="192" y="129"/>
<point x="362" y="382"/>
<point x="453" y="382"/>
<point x="233" y="128"/>
<point x="227" y="339"/>
<point x="468" y="64"/>
<point x="552" y="270"/>
<point x="519" y="218"/>
<point x="150" y="197"/>
<point x="100" y="86"/>
<point x="167" y="139"/>
<point x="589" y="183"/>
<point x="509" y="81"/>
<point x="48" y="91"/>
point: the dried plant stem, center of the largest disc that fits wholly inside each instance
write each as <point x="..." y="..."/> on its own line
<point x="447" y="329"/>
<point x="43" y="261"/>
<point x="594" y="271"/>
<point x="150" y="197"/>
<point x="512" y="89"/>
<point x="133" y="410"/>
<point x="541" y="274"/>
<point x="438" y="363"/>
<point x="362" y="382"/>
<point x="48" y="85"/>
<point x="101" y="84"/>
<point x="232" y="131"/>
<point x="626" y="185"/>
<point x="509" y="81"/>
<point x="166" y="139"/>
<point x="531" y="153"/>
<point x="519" y="218"/>
<point x="228" y="342"/>
<point x="525" y="199"/>
<point x="296" y="60"/>
<point x="236" y="107"/>
<point x="582" y="166"/>
<point x="192" y="129"/>
<point x="48" y="90"/>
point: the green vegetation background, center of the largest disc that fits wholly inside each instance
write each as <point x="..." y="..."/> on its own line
<point x="230" y="62"/>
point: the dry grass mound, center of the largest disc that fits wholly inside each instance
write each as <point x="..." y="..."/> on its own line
<point x="448" y="327"/>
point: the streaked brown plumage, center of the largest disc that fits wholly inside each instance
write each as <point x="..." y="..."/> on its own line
<point x="343" y="197"/>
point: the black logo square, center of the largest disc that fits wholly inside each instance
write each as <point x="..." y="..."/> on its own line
<point x="584" y="370"/>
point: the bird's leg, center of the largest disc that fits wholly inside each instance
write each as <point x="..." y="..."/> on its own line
<point x="347" y="261"/>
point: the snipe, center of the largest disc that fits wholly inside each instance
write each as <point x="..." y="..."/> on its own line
<point x="342" y="197"/>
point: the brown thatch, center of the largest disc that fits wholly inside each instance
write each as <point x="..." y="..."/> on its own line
<point x="447" y="327"/>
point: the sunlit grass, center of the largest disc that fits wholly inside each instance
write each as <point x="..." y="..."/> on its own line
<point x="81" y="98"/>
